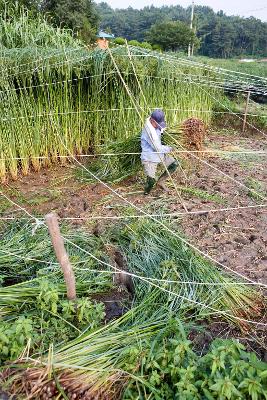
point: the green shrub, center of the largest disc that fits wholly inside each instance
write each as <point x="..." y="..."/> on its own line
<point x="146" y="45"/>
<point x="134" y="43"/>
<point x="51" y="319"/>
<point x="119" y="40"/>
<point x="171" y="369"/>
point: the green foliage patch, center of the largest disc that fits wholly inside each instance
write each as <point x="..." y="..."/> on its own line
<point x="50" y="319"/>
<point x="172" y="369"/>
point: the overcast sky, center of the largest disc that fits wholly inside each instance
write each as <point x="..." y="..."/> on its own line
<point x="256" y="8"/>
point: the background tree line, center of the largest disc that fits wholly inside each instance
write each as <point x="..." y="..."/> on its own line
<point x="80" y="16"/>
<point x="219" y="35"/>
<point x="214" y="34"/>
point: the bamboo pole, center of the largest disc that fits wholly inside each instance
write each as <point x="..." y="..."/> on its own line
<point x="246" y="112"/>
<point x="61" y="254"/>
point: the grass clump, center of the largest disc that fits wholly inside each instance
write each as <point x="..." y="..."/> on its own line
<point x="258" y="192"/>
<point x="202" y="194"/>
<point x="118" y="165"/>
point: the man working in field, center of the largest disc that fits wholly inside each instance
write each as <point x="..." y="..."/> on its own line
<point x="154" y="153"/>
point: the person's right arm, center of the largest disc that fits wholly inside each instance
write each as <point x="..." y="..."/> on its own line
<point x="155" y="142"/>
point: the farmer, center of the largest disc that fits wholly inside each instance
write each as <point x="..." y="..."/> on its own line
<point x="154" y="153"/>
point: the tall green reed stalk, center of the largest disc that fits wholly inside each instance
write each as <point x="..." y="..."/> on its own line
<point x="63" y="87"/>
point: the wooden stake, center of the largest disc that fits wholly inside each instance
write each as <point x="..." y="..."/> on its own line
<point x="62" y="256"/>
<point x="246" y="112"/>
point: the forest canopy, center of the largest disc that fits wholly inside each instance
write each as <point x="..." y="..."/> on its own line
<point x="220" y="35"/>
<point x="214" y="34"/>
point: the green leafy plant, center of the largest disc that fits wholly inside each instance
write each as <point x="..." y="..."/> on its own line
<point x="50" y="319"/>
<point x="172" y="370"/>
<point x="14" y="336"/>
<point x="84" y="311"/>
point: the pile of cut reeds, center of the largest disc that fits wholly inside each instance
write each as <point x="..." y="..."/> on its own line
<point x="174" y="283"/>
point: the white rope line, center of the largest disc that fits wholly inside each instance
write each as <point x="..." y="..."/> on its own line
<point x="95" y="155"/>
<point x="37" y="60"/>
<point x="157" y="221"/>
<point x="50" y="263"/>
<point x="159" y="287"/>
<point x="187" y="78"/>
<point x="227" y="71"/>
<point x="218" y="101"/>
<point x="26" y="258"/>
<point x="163" y="215"/>
<point x="17" y="205"/>
<point x="221" y="312"/>
<point x="118" y="271"/>
<point x="130" y="109"/>
<point x="221" y="84"/>
<point x="175" y="214"/>
<point x="42" y="67"/>
<point x="89" y="55"/>
<point x="195" y="64"/>
<point x="215" y="112"/>
<point x="150" y="282"/>
<point x="211" y="83"/>
<point x="58" y="82"/>
<point x="65" y="113"/>
<point x="222" y="87"/>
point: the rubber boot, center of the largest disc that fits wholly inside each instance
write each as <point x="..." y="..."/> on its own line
<point x="171" y="168"/>
<point x="150" y="182"/>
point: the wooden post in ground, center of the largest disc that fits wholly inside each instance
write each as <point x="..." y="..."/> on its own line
<point x="62" y="256"/>
<point x="246" y="112"/>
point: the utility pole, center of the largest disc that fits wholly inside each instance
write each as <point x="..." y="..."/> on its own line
<point x="191" y="27"/>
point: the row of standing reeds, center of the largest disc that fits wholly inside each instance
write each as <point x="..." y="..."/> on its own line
<point x="59" y="99"/>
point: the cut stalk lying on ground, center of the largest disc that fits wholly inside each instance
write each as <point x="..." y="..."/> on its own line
<point x="94" y="363"/>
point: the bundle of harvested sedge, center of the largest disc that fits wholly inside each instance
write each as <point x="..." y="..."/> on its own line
<point x="194" y="131"/>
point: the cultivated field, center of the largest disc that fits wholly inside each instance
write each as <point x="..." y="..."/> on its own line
<point x="170" y="289"/>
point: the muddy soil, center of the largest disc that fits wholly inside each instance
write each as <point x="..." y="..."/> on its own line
<point x="237" y="238"/>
